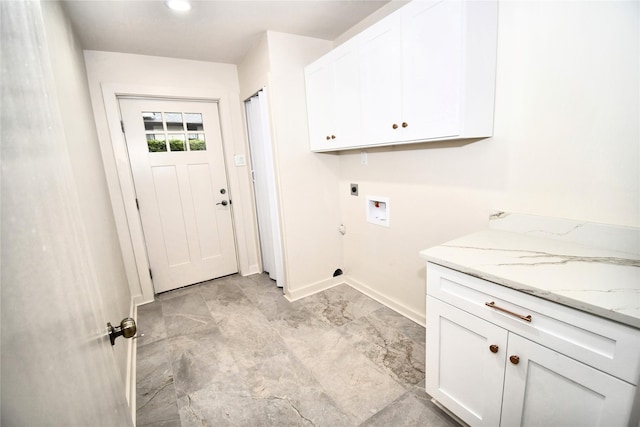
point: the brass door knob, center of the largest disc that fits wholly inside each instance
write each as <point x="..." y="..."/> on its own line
<point x="514" y="359"/>
<point x="126" y="329"/>
<point x="395" y="126"/>
<point x="493" y="348"/>
<point x="405" y="124"/>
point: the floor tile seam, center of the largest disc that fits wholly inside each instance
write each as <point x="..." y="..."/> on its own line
<point x="394" y="402"/>
<point x="246" y="295"/>
<point x="308" y="314"/>
<point x="307" y="371"/>
<point x="169" y="362"/>
<point x="312" y="375"/>
<point x="140" y="344"/>
<point x="155" y="423"/>
<point x="387" y="341"/>
<point x="386" y="370"/>
<point x="165" y="351"/>
<point x="176" y="293"/>
<point x="371" y="365"/>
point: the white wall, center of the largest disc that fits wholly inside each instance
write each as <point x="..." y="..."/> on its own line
<point x="84" y="152"/>
<point x="308" y="182"/>
<point x="253" y="72"/>
<point x="175" y="77"/>
<point x="566" y="144"/>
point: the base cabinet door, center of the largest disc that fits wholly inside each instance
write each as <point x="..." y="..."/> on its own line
<point x="465" y="364"/>
<point x="544" y="388"/>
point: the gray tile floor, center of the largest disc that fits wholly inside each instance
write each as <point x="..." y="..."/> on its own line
<point x="234" y="351"/>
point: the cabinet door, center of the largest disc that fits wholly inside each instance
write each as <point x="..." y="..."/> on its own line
<point x="432" y="76"/>
<point x="380" y="62"/>
<point x="546" y="388"/>
<point x="320" y="99"/>
<point x="463" y="371"/>
<point x="346" y="89"/>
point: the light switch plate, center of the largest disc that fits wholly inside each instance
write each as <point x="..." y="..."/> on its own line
<point x="353" y="188"/>
<point x="364" y="158"/>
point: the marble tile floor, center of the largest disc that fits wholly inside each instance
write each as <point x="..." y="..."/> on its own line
<point x="234" y="351"/>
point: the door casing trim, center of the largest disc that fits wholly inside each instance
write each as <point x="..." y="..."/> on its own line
<point x="122" y="191"/>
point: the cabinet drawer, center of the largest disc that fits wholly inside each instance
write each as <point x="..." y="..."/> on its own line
<point x="601" y="343"/>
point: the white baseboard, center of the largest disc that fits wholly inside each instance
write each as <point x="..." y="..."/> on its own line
<point x="402" y="309"/>
<point x="252" y="269"/>
<point x="314" y="288"/>
<point x="296" y="294"/>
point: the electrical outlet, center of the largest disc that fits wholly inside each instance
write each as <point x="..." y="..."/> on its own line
<point x="354" y="189"/>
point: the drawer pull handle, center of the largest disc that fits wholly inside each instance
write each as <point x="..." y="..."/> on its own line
<point x="492" y="304"/>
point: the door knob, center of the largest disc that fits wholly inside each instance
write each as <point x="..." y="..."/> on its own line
<point x="514" y="359"/>
<point x="223" y="203"/>
<point x="223" y="191"/>
<point x="395" y="126"/>
<point x="126" y="329"/>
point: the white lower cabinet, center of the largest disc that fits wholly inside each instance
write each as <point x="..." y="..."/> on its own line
<point x="462" y="373"/>
<point x="545" y="388"/>
<point x="488" y="375"/>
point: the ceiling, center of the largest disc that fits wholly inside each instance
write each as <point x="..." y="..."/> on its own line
<point x="214" y="30"/>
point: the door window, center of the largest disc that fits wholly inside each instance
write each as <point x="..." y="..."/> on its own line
<point x="174" y="131"/>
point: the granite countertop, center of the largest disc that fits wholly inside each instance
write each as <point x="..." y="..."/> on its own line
<point x="574" y="264"/>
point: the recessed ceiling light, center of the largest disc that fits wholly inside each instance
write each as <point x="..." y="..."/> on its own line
<point x="179" y="5"/>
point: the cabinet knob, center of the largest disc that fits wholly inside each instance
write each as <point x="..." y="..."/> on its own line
<point x="514" y="359"/>
<point x="395" y="126"/>
<point x="333" y="137"/>
<point x="405" y="124"/>
<point x="494" y="348"/>
<point x="328" y="137"/>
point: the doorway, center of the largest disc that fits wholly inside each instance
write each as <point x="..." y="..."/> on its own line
<point x="263" y="174"/>
<point x="177" y="163"/>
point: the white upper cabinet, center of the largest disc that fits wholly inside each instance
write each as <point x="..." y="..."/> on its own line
<point x="381" y="72"/>
<point x="425" y="72"/>
<point x="432" y="60"/>
<point x="333" y="99"/>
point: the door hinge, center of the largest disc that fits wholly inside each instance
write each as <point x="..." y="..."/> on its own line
<point x="150" y="274"/>
<point x="122" y="125"/>
<point x="137" y="205"/>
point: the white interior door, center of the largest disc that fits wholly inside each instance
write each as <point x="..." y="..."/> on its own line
<point x="264" y="182"/>
<point x="177" y="162"/>
<point x="58" y="367"/>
